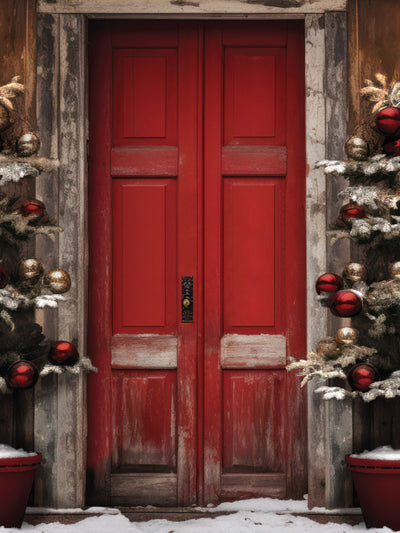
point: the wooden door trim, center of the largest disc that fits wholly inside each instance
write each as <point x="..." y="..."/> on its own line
<point x="100" y="254"/>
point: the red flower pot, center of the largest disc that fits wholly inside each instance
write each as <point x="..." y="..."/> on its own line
<point x="16" y="478"/>
<point x="377" y="484"/>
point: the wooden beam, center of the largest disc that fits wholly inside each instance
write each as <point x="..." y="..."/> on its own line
<point x="46" y="401"/>
<point x="199" y="6"/>
<point x="316" y="242"/>
<point x="339" y="424"/>
<point x="60" y="428"/>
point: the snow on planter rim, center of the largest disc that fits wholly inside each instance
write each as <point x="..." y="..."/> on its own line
<point x="8" y="452"/>
<point x="383" y="453"/>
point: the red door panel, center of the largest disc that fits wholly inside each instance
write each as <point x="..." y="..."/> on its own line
<point x="144" y="275"/>
<point x="253" y="422"/>
<point x="196" y="169"/>
<point x="144" y="421"/>
<point x="143" y="185"/>
<point x="252" y="220"/>
<point x="254" y="257"/>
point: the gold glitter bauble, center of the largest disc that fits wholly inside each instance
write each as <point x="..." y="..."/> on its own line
<point x="58" y="281"/>
<point x="328" y="348"/>
<point x="30" y="270"/>
<point x="357" y="149"/>
<point x="28" y="144"/>
<point x="347" y="336"/>
<point x="394" y="270"/>
<point x="5" y="119"/>
<point x="354" y="272"/>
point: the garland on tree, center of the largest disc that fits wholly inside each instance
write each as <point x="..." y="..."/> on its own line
<point x="371" y="216"/>
<point x="25" y="354"/>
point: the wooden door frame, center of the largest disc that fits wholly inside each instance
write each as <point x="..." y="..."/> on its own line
<point x="62" y="110"/>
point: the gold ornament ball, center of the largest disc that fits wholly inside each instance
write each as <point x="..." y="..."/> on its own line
<point x="58" y="281"/>
<point x="328" y="348"/>
<point x="394" y="270"/>
<point x="354" y="272"/>
<point x="357" y="149"/>
<point x="5" y="118"/>
<point x="28" y="144"/>
<point x="347" y="336"/>
<point x="30" y="270"/>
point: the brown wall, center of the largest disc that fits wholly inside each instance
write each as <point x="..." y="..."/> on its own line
<point x="18" y="57"/>
<point x="373" y="44"/>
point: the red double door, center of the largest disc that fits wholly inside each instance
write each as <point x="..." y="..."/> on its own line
<point x="197" y="261"/>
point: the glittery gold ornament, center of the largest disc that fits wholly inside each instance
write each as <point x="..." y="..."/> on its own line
<point x="28" y="144"/>
<point x="394" y="270"/>
<point x="5" y="118"/>
<point x="328" y="348"/>
<point x="347" y="336"/>
<point x="30" y="270"/>
<point x="357" y="149"/>
<point x="354" y="272"/>
<point x="57" y="280"/>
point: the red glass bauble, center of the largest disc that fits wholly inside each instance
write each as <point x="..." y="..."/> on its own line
<point x="361" y="376"/>
<point x="63" y="353"/>
<point x="352" y="210"/>
<point x="391" y="146"/>
<point x="22" y="375"/>
<point x="3" y="277"/>
<point x="329" y="283"/>
<point x="32" y="207"/>
<point x="388" y="120"/>
<point x="346" y="303"/>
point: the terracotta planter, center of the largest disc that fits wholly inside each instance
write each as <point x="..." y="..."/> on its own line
<point x="16" y="478"/>
<point x="377" y="484"/>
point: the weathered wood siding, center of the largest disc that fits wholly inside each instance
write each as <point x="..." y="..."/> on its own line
<point x="18" y="56"/>
<point x="60" y="407"/>
<point x="329" y="424"/>
<point x="373" y="34"/>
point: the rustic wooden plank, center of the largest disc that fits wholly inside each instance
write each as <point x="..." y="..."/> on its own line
<point x="73" y="256"/>
<point x="141" y="488"/>
<point x="133" y="161"/>
<point x="238" y="486"/>
<point x="18" y="57"/>
<point x="316" y="243"/>
<point x="253" y="351"/>
<point x="47" y="190"/>
<point x="339" y="427"/>
<point x="199" y="6"/>
<point x="254" y="161"/>
<point x="144" y="351"/>
<point x="372" y="27"/>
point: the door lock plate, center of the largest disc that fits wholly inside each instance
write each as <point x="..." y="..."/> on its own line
<point x="187" y="299"/>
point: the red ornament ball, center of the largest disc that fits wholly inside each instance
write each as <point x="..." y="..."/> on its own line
<point x="361" y="376"/>
<point x="22" y="375"/>
<point x="346" y="303"/>
<point x="388" y="120"/>
<point x="352" y="210"/>
<point x="32" y="207"/>
<point x="329" y="283"/>
<point x="391" y="146"/>
<point x="3" y="277"/>
<point x="63" y="353"/>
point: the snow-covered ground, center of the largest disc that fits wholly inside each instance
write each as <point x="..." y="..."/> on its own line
<point x="248" y="516"/>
